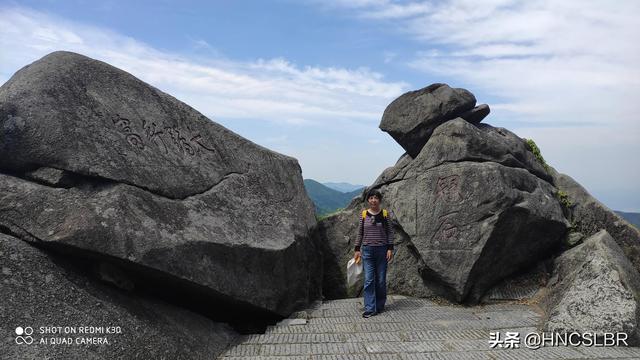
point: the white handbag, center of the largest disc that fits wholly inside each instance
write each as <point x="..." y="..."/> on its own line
<point x="354" y="272"/>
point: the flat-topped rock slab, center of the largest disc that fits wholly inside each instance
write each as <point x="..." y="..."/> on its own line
<point x="410" y="328"/>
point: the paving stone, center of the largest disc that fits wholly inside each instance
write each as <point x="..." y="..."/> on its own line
<point x="358" y="357"/>
<point x="342" y="302"/>
<point x="243" y="350"/>
<point x="337" y="348"/>
<point x="373" y="337"/>
<point x="399" y="318"/>
<point x="542" y="353"/>
<point x="593" y="352"/>
<point x="337" y="312"/>
<point x="297" y="357"/>
<point x="292" y="322"/>
<point x="447" y="334"/>
<point x="404" y="347"/>
<point x="523" y="331"/>
<point x="465" y="345"/>
<point x="410" y="329"/>
<point x="285" y="349"/>
<point x="505" y="307"/>
<point x="507" y="314"/>
<point x="312" y="329"/>
<point x="447" y="356"/>
<point x="294" y="338"/>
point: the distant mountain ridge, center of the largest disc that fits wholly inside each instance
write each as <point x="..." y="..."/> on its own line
<point x="326" y="199"/>
<point x="633" y="218"/>
<point x="343" y="186"/>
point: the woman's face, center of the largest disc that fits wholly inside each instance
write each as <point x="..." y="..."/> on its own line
<point x="374" y="202"/>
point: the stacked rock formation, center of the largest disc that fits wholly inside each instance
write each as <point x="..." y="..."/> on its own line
<point x="475" y="210"/>
<point x="98" y="165"/>
<point x="471" y="202"/>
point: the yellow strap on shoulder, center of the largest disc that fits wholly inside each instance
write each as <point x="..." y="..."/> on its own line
<point x="364" y="214"/>
<point x="385" y="214"/>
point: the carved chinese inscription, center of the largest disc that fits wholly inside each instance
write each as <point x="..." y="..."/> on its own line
<point x="154" y="134"/>
<point x="165" y="138"/>
<point x="124" y="125"/>
<point x="447" y="233"/>
<point x="448" y="188"/>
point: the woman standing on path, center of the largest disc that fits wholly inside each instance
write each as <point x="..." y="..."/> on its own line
<point x="375" y="245"/>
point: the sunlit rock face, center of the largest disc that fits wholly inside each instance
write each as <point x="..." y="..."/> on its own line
<point x="472" y="207"/>
<point x="95" y="161"/>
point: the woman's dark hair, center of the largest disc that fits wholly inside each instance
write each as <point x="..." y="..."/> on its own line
<point x="374" y="192"/>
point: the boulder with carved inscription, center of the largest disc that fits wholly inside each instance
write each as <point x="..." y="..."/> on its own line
<point x="95" y="162"/>
<point x="594" y="288"/>
<point x="473" y="207"/>
<point x="42" y="293"/>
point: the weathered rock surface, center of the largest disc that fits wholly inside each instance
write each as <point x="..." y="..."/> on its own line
<point x="475" y="223"/>
<point x="472" y="208"/>
<point x="458" y="140"/>
<point x="411" y="118"/>
<point x="73" y="113"/>
<point x="594" y="288"/>
<point x="41" y="290"/>
<point x="477" y="114"/>
<point x="97" y="162"/>
<point x="528" y="284"/>
<point x="588" y="216"/>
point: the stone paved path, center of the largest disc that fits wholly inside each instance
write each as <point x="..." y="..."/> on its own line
<point x="411" y="328"/>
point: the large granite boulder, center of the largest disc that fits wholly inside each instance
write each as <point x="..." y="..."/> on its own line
<point x="472" y="208"/>
<point x="97" y="163"/>
<point x="594" y="288"/>
<point x="588" y="216"/>
<point x="42" y="290"/>
<point x="411" y="118"/>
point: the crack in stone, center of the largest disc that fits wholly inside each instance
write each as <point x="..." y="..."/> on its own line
<point x="12" y="229"/>
<point x="98" y="180"/>
<point x="480" y="160"/>
<point x="471" y="160"/>
<point x="225" y="177"/>
<point x="427" y="274"/>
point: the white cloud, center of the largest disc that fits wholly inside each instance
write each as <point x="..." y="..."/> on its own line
<point x="395" y="11"/>
<point x="201" y="44"/>
<point x="389" y="56"/>
<point x="270" y="89"/>
<point x="551" y="54"/>
<point x="564" y="72"/>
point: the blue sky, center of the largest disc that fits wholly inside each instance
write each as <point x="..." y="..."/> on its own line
<point x="311" y="78"/>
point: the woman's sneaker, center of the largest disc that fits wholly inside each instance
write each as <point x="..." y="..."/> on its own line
<point x="367" y="314"/>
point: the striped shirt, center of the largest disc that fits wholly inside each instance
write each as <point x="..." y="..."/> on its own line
<point x="372" y="232"/>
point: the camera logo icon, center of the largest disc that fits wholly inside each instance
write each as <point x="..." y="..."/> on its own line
<point x="24" y="335"/>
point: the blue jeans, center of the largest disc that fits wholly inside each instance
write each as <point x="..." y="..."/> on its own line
<point x="374" y="261"/>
